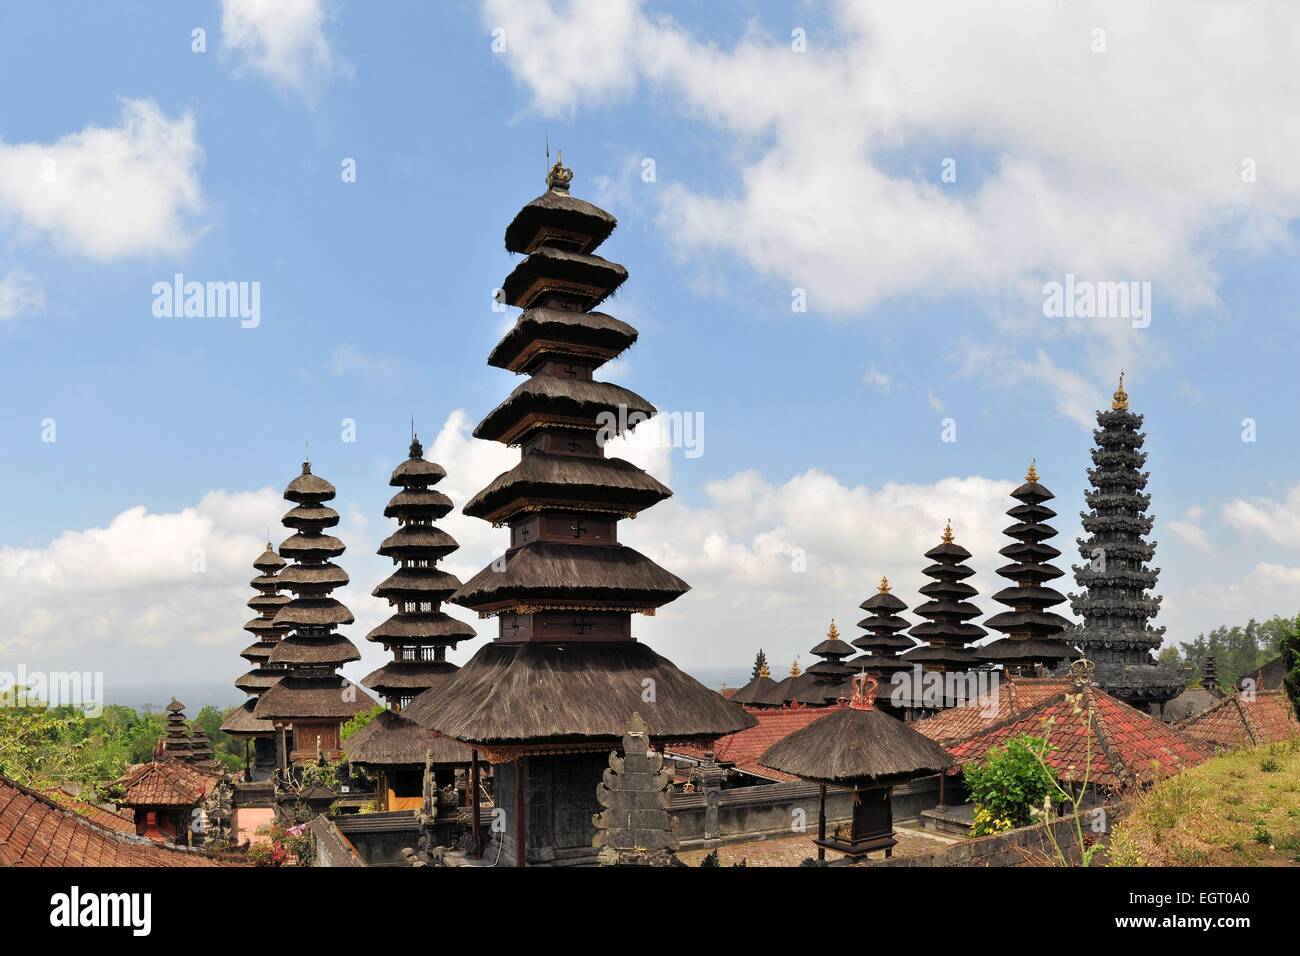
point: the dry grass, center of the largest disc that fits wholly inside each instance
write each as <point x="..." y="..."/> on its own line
<point x="1238" y="809"/>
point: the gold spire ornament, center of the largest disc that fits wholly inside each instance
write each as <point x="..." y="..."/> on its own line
<point x="1119" y="401"/>
<point x="1032" y="474"/>
<point x="884" y="585"/>
<point x="560" y="175"/>
<point x="763" y="671"/>
<point x="947" y="532"/>
<point x="794" y="668"/>
<point x="834" y="633"/>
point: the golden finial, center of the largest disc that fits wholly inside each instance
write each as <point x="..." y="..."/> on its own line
<point x="1119" y="401"/>
<point x="947" y="532"/>
<point x="834" y="633"/>
<point x="794" y="668"/>
<point x="763" y="671"/>
<point x="560" y="175"/>
<point x="1032" y="474"/>
<point x="884" y="585"/>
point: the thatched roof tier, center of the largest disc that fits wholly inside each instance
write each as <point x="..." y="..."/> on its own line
<point x="392" y="740"/>
<point x="313" y="612"/>
<point x="309" y="546"/>
<point x="947" y="628"/>
<point x="883" y="625"/>
<point x="421" y="629"/>
<point x="240" y="722"/>
<point x="417" y="472"/>
<point x="418" y="541"/>
<point x="418" y="503"/>
<point x="310" y="516"/>
<point x="265" y="629"/>
<point x="568" y="483"/>
<point x="946" y="657"/>
<point x="258" y="680"/>
<point x="308" y="488"/>
<point x="552" y="401"/>
<point x="755" y="692"/>
<point x="409" y="675"/>
<point x="555" y="574"/>
<point x="313" y="577"/>
<point x="262" y="602"/>
<point x="549" y="271"/>
<point x="535" y="692"/>
<point x="268" y="562"/>
<point x="313" y="697"/>
<point x="417" y="584"/>
<point x="857" y="746"/>
<point x="556" y="217"/>
<point x="314" y="650"/>
<point x="258" y="652"/>
<point x="592" y="337"/>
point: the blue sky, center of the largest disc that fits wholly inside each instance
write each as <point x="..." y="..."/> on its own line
<point x="775" y="170"/>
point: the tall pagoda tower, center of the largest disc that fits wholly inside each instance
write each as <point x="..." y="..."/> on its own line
<point x="947" y="628"/>
<point x="884" y="639"/>
<point x="419" y="632"/>
<point x="1033" y="642"/>
<point x="310" y="703"/>
<point x="829" y="677"/>
<point x="176" y="741"/>
<point x="1115" y="606"/>
<point x="240" y="723"/>
<point x="552" y="695"/>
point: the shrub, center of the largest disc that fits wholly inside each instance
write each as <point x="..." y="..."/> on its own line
<point x="1011" y="783"/>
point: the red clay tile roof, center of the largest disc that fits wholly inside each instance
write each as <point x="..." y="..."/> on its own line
<point x="122" y="821"/>
<point x="1014" y="695"/>
<point x="743" y="748"/>
<point x="1238" y="722"/>
<point x="1128" y="746"/>
<point x="35" y="831"/>
<point x="164" y="783"/>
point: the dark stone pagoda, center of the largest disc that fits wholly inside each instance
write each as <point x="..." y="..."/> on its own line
<point x="310" y="703"/>
<point x="1115" y="606"/>
<point x="419" y="632"/>
<point x="947" y="628"/>
<point x="259" y="734"/>
<point x="884" y="639"/>
<point x="548" y="699"/>
<point x="1033" y="644"/>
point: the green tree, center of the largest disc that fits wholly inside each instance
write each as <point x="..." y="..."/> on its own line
<point x="1010" y="784"/>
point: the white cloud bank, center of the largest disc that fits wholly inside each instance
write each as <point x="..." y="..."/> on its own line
<point x="108" y="192"/>
<point x="283" y="41"/>
<point x="19" y="295"/>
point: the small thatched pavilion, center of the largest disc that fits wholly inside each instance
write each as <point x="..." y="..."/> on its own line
<point x="865" y="749"/>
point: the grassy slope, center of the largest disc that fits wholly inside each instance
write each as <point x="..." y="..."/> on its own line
<point x="1239" y="809"/>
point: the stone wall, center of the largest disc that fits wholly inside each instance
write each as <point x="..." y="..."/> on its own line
<point x="771" y="810"/>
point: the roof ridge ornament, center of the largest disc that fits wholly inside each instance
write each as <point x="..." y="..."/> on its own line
<point x="864" y="692"/>
<point x="1032" y="474"/>
<point x="833" y="634"/>
<point x="947" y="532"/>
<point x="1119" y="401"/>
<point x="1081" y="672"/>
<point x="884" y="585"/>
<point x="560" y="176"/>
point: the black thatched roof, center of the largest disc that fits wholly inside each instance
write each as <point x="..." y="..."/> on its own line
<point x="557" y="214"/>
<point x="550" y="270"/>
<point x="418" y="502"/>
<point x="571" y="575"/>
<point x="312" y="650"/>
<point x="418" y="541"/>
<point x="409" y="675"/>
<point x="417" y="584"/>
<point x="258" y="679"/>
<point x="416" y="471"/>
<point x="392" y="740"/>
<point x="570" y="482"/>
<point x="269" y="562"/>
<point x="541" y="332"/>
<point x="535" y="692"/>
<point x="313" y="612"/>
<point x="437" y="627"/>
<point x="326" y="576"/>
<point x="857" y="746"/>
<point x="310" y="516"/>
<point x="241" y="722"/>
<point x="311" y="546"/>
<point x="308" y="697"/>
<point x="308" y="488"/>
<point x="552" y="398"/>
<point x="755" y="692"/>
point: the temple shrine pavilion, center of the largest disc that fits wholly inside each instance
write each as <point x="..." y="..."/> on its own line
<point x="550" y="698"/>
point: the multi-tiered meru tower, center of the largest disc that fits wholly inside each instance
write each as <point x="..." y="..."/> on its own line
<point x="241" y="723"/>
<point x="551" y="696"/>
<point x="947" y="627"/>
<point x="310" y="703"/>
<point x="1115" y="607"/>
<point x="884" y="639"/>
<point x="1033" y="643"/>
<point x="419" y="632"/>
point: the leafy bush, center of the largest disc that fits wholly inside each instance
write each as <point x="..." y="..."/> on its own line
<point x="1010" y="784"/>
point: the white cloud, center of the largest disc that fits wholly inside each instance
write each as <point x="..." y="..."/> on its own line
<point x="1190" y="531"/>
<point x="1278" y="521"/>
<point x="19" y="295"/>
<point x="108" y="192"/>
<point x="348" y="359"/>
<point x="283" y="41"/>
<point x="874" y="378"/>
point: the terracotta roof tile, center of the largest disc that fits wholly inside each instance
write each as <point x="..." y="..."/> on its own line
<point x="1013" y="695"/>
<point x="1127" y="746"/>
<point x="743" y="748"/>
<point x="36" y="831"/>
<point x="1237" y="721"/>
<point x="123" y="821"/>
<point x="164" y="783"/>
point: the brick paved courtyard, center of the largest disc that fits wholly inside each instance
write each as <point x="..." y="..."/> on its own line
<point x="791" y="851"/>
